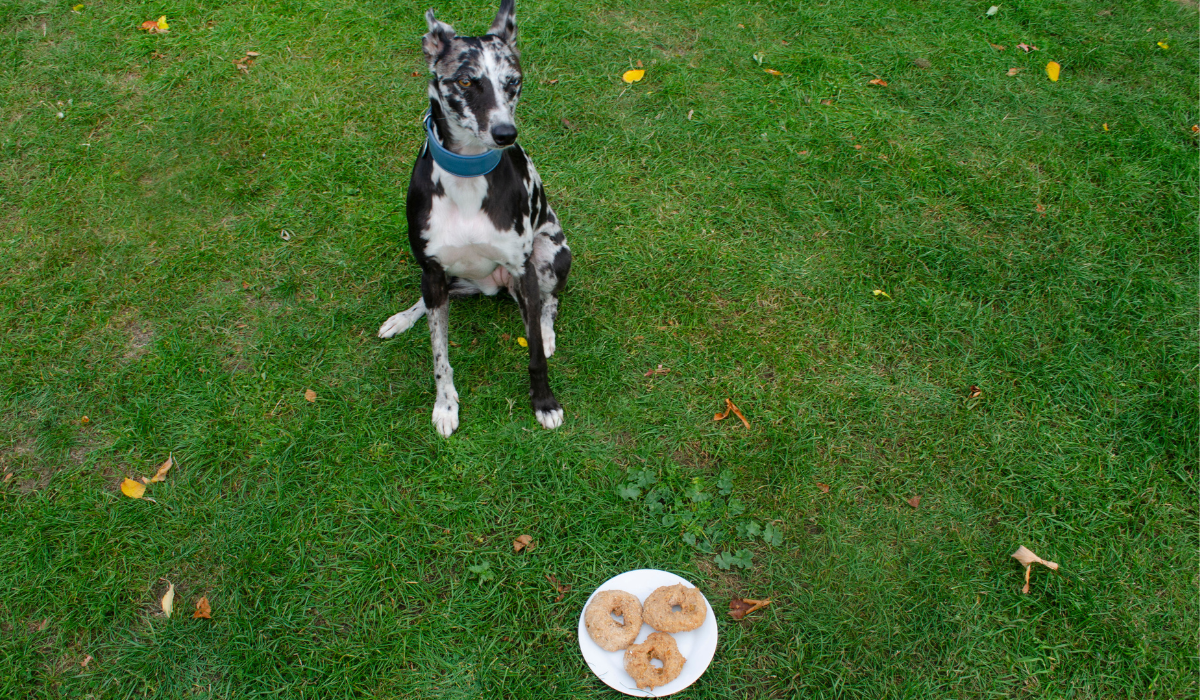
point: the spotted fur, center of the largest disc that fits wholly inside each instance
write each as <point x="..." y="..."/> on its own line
<point x="483" y="234"/>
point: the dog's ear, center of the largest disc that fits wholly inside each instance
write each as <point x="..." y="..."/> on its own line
<point x="437" y="39"/>
<point x="505" y="24"/>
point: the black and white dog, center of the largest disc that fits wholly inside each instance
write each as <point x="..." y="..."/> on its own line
<point x="478" y="220"/>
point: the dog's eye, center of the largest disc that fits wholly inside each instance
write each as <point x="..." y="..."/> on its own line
<point x="513" y="82"/>
<point x="464" y="82"/>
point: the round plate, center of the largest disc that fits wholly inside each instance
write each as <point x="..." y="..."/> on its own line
<point x="697" y="646"/>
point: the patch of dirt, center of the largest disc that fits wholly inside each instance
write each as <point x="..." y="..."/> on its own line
<point x="694" y="456"/>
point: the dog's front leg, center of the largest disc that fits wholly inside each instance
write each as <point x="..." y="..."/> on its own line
<point x="435" y="290"/>
<point x="545" y="407"/>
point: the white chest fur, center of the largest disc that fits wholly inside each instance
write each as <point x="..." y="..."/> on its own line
<point x="463" y="239"/>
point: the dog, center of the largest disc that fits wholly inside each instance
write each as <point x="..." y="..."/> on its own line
<point x="478" y="219"/>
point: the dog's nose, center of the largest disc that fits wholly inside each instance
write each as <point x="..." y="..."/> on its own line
<point x="504" y="134"/>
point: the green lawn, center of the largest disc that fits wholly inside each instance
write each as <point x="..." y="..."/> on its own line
<point x="728" y="224"/>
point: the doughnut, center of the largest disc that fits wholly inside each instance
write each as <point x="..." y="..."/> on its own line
<point x="657" y="646"/>
<point x="608" y="633"/>
<point x="658" y="614"/>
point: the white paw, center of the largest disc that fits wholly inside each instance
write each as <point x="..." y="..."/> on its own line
<point x="550" y="419"/>
<point x="548" y="341"/>
<point x="398" y="324"/>
<point x="445" y="417"/>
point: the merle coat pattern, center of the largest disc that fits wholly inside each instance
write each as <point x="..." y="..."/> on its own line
<point x="473" y="235"/>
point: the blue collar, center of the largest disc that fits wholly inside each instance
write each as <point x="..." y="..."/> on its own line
<point x="453" y="163"/>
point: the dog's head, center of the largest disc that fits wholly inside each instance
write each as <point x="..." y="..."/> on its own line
<point x="476" y="79"/>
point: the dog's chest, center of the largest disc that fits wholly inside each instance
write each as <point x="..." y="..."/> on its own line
<point x="464" y="239"/>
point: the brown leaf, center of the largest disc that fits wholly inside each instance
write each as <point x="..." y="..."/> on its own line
<point x="772" y="71"/>
<point x="827" y="103"/>
<point x="1040" y="209"/>
<point x="1028" y="559"/>
<point x="1014" y="71"/>
<point x="416" y="74"/>
<point x="741" y="607"/>
<point x="85" y="420"/>
<point x="998" y="47"/>
<point x="728" y="408"/>
<point x="975" y="392"/>
<point x="41" y="626"/>
<point x="568" y="124"/>
<point x="203" y="609"/>
<point x="310" y="395"/>
<point x="561" y="588"/>
<point x="639" y="64"/>
<point x="824" y="487"/>
<point x="523" y="542"/>
<point x="878" y="81"/>
<point x="738" y="413"/>
<point x="914" y="501"/>
<point x="660" y="370"/>
<point x="161" y="474"/>
<point x="505" y="337"/>
<point x="86" y="660"/>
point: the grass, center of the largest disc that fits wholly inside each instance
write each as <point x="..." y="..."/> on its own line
<point x="726" y="224"/>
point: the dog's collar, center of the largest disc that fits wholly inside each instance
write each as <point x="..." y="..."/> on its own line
<point x="453" y="163"/>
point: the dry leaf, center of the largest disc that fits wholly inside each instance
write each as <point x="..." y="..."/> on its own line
<point x="858" y="146"/>
<point x="827" y="103"/>
<point x="203" y="609"/>
<point x="523" y="542"/>
<point x="632" y="76"/>
<point x="741" y="607"/>
<point x="1027" y="48"/>
<point x="1195" y="127"/>
<point x="824" y="487"/>
<point x="133" y="489"/>
<point x="974" y="392"/>
<point x="567" y="123"/>
<point x="77" y="8"/>
<point x="86" y="660"/>
<point x="1105" y="125"/>
<point x="561" y="588"/>
<point x="522" y="342"/>
<point x="993" y="10"/>
<point x="660" y="370"/>
<point x="1163" y="45"/>
<point x="772" y="71"/>
<point x="41" y="626"/>
<point x="878" y="81"/>
<point x="168" y="600"/>
<point x="310" y="395"/>
<point x="85" y="420"/>
<point x="690" y="113"/>
<point x="416" y="74"/>
<point x="1040" y="209"/>
<point x="161" y="474"/>
<point x="730" y="407"/>
<point x="1052" y="70"/>
<point x="7" y="476"/>
<point x="158" y="26"/>
<point x="162" y="23"/>
<point x="505" y="337"/>
<point x="1028" y="559"/>
<point x="1014" y="71"/>
<point x="998" y="47"/>
<point x="881" y="293"/>
<point x="914" y="501"/>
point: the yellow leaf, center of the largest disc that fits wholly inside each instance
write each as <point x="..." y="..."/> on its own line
<point x="1052" y="69"/>
<point x="161" y="474"/>
<point x="880" y="292"/>
<point x="522" y="342"/>
<point x="168" y="600"/>
<point x="133" y="489"/>
<point x="1106" y="126"/>
<point x="78" y="7"/>
<point x="1163" y="45"/>
<point x="772" y="71"/>
<point x="162" y="22"/>
<point x="632" y="76"/>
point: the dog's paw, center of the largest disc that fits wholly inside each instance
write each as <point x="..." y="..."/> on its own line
<point x="398" y="324"/>
<point x="550" y="419"/>
<point x="548" y="340"/>
<point x="445" y="418"/>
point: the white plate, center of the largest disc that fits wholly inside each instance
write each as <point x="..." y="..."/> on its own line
<point x="697" y="646"/>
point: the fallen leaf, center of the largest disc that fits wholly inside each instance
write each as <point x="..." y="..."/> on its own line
<point x="77" y="8"/>
<point x="877" y="81"/>
<point x="639" y="64"/>
<point x="1052" y="70"/>
<point x="914" y="501"/>
<point x="858" y="146"/>
<point x="86" y="660"/>
<point x="310" y="395"/>
<point x="416" y="74"/>
<point x="827" y="103"/>
<point x="632" y="76"/>
<point x="161" y="474"/>
<point x="523" y="542"/>
<point x="243" y="64"/>
<point x="730" y="407"/>
<point x="522" y="342"/>
<point x="660" y="370"/>
<point x="85" y="420"/>
<point x="1040" y="209"/>
<point x="168" y="600"/>
<point x="998" y="47"/>
<point x="1195" y="127"/>
<point x="158" y="26"/>
<point x="741" y="607"/>
<point x="1163" y="45"/>
<point x="974" y="392"/>
<point x="772" y="71"/>
<point x="690" y="113"/>
<point x="881" y="293"/>
<point x="824" y="487"/>
<point x="1027" y="48"/>
<point x="133" y="489"/>
<point x="7" y="476"/>
<point x="505" y="337"/>
<point x="561" y="588"/>
<point x="567" y="123"/>
<point x="41" y="626"/>
<point x="162" y="23"/>
<point x="1028" y="559"/>
<point x="1105" y="126"/>
<point x="203" y="609"/>
<point x="759" y="57"/>
<point x="1014" y="71"/>
<point x="993" y="10"/>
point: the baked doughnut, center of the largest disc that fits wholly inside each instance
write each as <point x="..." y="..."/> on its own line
<point x="658" y="614"/>
<point x="657" y="646"/>
<point x="608" y="633"/>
